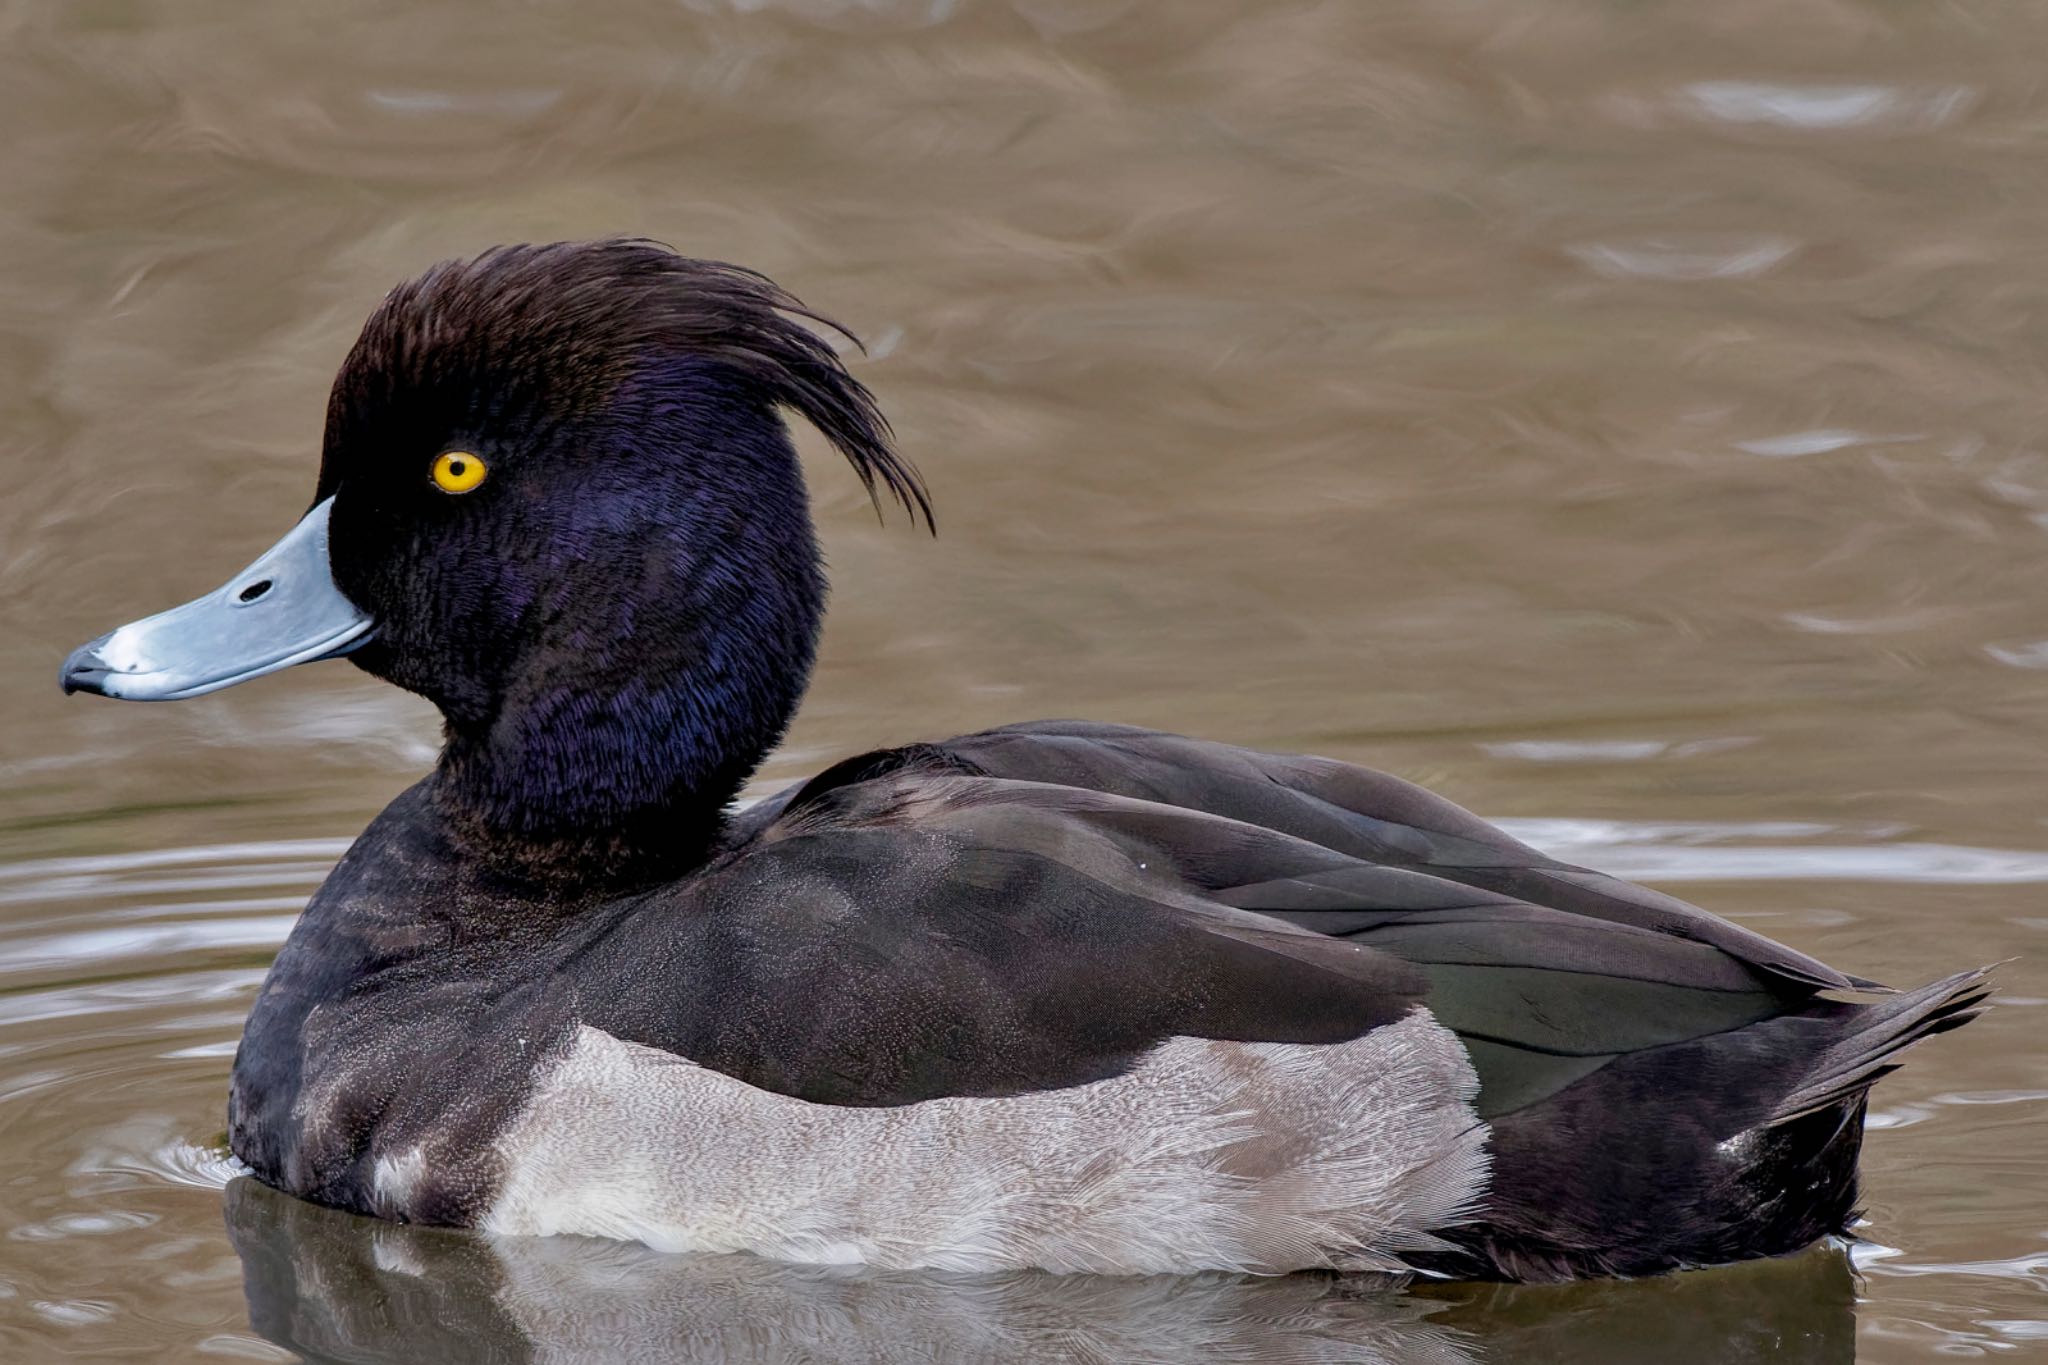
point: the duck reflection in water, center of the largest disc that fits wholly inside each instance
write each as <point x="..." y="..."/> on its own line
<point x="334" y="1287"/>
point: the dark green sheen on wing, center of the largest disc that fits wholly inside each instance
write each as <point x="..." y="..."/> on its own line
<point x="1546" y="970"/>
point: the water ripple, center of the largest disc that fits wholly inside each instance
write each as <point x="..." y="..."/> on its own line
<point x="1824" y="106"/>
<point x="1685" y="259"/>
<point x="1875" y="1258"/>
<point x="1696" y="853"/>
<point x="326" y="850"/>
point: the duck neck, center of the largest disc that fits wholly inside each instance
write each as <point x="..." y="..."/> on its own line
<point x="615" y="757"/>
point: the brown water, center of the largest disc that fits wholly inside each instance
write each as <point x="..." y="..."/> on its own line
<point x="1625" y="418"/>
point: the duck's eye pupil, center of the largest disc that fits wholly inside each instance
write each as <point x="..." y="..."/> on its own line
<point x="457" y="471"/>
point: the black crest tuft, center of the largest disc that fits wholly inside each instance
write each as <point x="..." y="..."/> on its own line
<point x="559" y="326"/>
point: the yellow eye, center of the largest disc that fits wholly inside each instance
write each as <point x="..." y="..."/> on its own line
<point x="457" y="471"/>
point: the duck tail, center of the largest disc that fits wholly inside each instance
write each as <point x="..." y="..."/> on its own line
<point x="1872" y="1037"/>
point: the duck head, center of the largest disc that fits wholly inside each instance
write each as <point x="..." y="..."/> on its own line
<point x="556" y="498"/>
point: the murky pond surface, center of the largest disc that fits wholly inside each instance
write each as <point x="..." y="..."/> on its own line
<point x="1625" y="418"/>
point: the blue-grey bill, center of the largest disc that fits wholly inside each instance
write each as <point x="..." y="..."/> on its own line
<point x="282" y="610"/>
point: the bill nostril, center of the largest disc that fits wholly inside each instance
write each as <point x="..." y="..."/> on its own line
<point x="253" y="591"/>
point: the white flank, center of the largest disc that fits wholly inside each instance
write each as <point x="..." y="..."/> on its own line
<point x="1262" y="1157"/>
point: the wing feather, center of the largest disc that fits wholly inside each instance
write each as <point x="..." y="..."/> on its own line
<point x="1548" y="970"/>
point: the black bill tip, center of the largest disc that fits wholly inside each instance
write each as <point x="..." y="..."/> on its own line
<point x="84" y="670"/>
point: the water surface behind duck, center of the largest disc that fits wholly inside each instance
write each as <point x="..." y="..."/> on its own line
<point x="1625" y="419"/>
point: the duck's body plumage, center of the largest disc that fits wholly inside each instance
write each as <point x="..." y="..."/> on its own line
<point x="1062" y="995"/>
<point x="1162" y="975"/>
